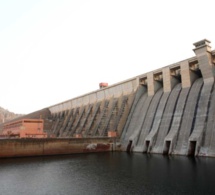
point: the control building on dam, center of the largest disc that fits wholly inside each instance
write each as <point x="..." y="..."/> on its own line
<point x="169" y="111"/>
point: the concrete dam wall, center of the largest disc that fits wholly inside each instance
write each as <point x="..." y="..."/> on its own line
<point x="96" y="113"/>
<point x="168" y="111"/>
<point x="175" y="113"/>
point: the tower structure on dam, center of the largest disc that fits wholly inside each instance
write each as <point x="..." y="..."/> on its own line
<point x="169" y="111"/>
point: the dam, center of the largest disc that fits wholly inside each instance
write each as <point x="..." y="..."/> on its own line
<point x="170" y="110"/>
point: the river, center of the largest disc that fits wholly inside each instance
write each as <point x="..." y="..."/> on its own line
<point x="107" y="173"/>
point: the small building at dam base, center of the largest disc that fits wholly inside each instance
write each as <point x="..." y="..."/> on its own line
<point x="25" y="128"/>
<point x="170" y="110"/>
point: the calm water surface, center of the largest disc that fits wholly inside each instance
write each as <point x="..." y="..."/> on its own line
<point x="107" y="173"/>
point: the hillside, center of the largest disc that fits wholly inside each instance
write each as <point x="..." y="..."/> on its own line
<point x="6" y="115"/>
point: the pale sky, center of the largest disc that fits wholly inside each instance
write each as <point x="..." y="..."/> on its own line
<point x="55" y="50"/>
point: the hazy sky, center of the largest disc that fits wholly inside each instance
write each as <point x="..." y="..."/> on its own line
<point x="55" y="50"/>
